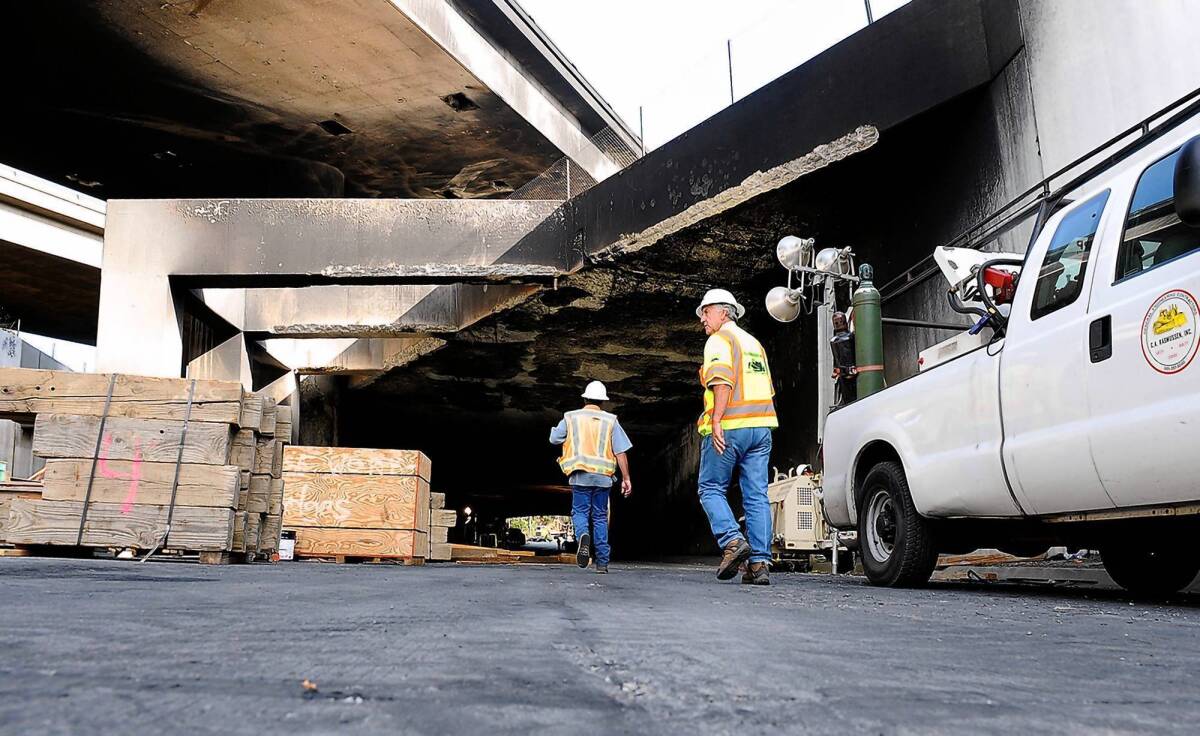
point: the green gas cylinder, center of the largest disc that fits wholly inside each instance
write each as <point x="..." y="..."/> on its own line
<point x="868" y="334"/>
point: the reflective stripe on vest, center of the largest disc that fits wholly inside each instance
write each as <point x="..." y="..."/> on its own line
<point x="589" y="443"/>
<point x="751" y="402"/>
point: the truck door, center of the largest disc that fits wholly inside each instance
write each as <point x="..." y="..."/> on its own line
<point x="1143" y="384"/>
<point x="1043" y="394"/>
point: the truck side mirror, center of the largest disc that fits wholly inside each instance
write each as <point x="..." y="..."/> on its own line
<point x="1187" y="183"/>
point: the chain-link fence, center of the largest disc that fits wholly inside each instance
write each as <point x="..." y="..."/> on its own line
<point x="565" y="178"/>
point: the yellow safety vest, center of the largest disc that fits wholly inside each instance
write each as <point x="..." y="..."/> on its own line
<point x="732" y="356"/>
<point x="589" y="442"/>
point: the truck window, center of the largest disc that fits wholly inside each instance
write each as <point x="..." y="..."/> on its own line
<point x="1060" y="279"/>
<point x="1153" y="232"/>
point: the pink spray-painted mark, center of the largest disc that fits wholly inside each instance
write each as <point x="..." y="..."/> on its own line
<point x="135" y="471"/>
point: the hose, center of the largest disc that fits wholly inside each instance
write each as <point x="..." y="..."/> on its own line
<point x="998" y="321"/>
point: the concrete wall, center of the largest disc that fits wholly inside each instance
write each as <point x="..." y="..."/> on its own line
<point x="1089" y="70"/>
<point x="1099" y="66"/>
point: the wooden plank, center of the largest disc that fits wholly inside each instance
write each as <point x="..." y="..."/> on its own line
<point x="264" y="455"/>
<point x="275" y="500"/>
<point x="277" y="450"/>
<point x="267" y="425"/>
<point x="8" y="493"/>
<point x="443" y="517"/>
<point x="149" y="440"/>
<point x="360" y="542"/>
<point x="437" y="500"/>
<point x="471" y="552"/>
<point x="25" y="392"/>
<point x="359" y="461"/>
<point x="283" y="424"/>
<point x="251" y="414"/>
<point x="114" y="525"/>
<point x="243" y="450"/>
<point x="982" y="557"/>
<point x="251" y="531"/>
<point x="268" y="533"/>
<point x="239" y="532"/>
<point x="124" y="481"/>
<point x="260" y="492"/>
<point x="439" y="535"/>
<point x="355" y="501"/>
<point x="439" y="551"/>
<point x="558" y="559"/>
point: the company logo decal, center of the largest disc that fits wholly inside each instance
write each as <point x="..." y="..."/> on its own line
<point x="1169" y="339"/>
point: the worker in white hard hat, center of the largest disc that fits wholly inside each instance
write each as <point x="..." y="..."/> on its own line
<point x="594" y="447"/>
<point x="739" y="414"/>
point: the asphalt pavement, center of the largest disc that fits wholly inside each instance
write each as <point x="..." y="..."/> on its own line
<point x="105" y="646"/>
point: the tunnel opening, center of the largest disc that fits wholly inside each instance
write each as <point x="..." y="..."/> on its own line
<point x="482" y="406"/>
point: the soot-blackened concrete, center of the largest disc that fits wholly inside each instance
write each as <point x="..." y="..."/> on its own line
<point x="106" y="647"/>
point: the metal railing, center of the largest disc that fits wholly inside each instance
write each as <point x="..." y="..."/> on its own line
<point x="566" y="179"/>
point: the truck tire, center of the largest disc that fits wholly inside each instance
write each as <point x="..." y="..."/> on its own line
<point x="895" y="542"/>
<point x="1162" y="569"/>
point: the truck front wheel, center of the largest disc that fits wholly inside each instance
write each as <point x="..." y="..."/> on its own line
<point x="1161" y="569"/>
<point x="895" y="541"/>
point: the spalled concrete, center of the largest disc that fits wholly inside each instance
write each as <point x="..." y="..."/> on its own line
<point x="110" y="646"/>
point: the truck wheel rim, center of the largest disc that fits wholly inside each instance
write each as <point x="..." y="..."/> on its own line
<point x="881" y="526"/>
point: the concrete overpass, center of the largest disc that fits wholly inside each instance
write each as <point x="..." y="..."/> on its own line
<point x="51" y="243"/>
<point x="265" y="98"/>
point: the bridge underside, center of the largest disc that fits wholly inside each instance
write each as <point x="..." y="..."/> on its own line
<point x="465" y="330"/>
<point x="260" y="98"/>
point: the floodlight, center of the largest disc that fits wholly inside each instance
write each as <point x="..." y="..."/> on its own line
<point x="794" y="252"/>
<point x="783" y="303"/>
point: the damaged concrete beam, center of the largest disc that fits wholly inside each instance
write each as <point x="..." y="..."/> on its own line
<point x="212" y="242"/>
<point x="364" y="360"/>
<point x="831" y="106"/>
<point x="155" y="248"/>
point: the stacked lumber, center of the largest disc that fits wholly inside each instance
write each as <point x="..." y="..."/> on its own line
<point x="119" y="466"/>
<point x="352" y="502"/>
<point x="258" y="455"/>
<point x="441" y="521"/>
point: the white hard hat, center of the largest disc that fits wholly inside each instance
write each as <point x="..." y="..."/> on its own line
<point x="595" y="391"/>
<point x="720" y="296"/>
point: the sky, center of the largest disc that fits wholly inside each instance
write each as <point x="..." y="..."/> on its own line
<point x="670" y="56"/>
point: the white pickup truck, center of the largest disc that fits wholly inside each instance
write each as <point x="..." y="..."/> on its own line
<point x="1077" y="425"/>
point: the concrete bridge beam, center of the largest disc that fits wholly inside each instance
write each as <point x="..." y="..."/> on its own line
<point x="155" y="250"/>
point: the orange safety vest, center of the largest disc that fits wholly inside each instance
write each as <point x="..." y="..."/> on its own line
<point x="752" y="402"/>
<point x="589" y="442"/>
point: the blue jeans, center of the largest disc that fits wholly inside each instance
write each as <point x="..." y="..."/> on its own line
<point x="595" y="500"/>
<point x="749" y="450"/>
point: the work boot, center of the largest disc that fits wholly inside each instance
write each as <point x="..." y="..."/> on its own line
<point x="584" y="553"/>
<point x="736" y="552"/>
<point x="756" y="574"/>
<point x="601" y="569"/>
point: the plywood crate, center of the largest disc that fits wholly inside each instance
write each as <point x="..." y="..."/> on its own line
<point x="356" y="502"/>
